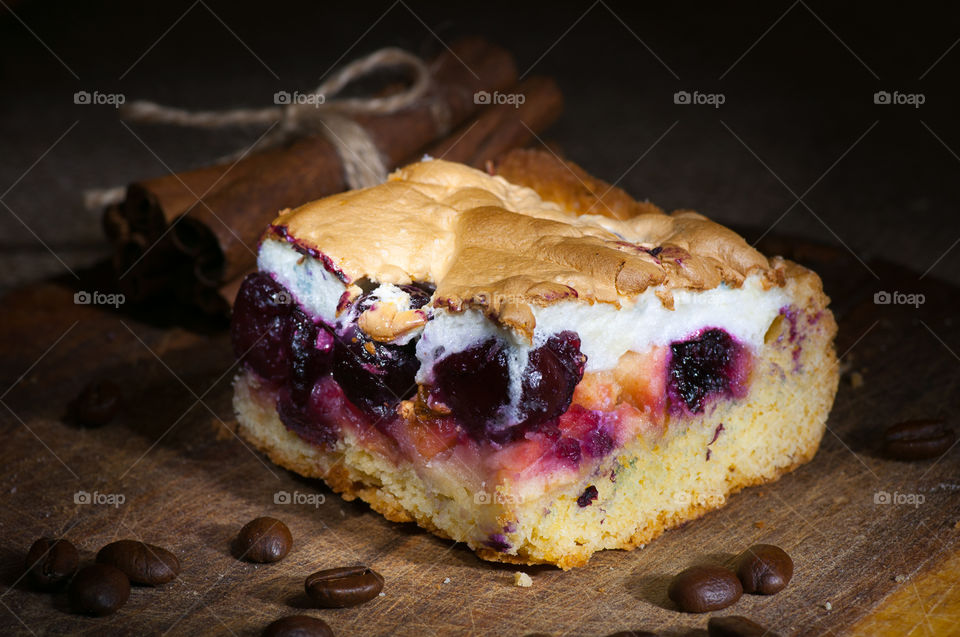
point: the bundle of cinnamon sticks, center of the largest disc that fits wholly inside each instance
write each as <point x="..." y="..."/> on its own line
<point x="193" y="235"/>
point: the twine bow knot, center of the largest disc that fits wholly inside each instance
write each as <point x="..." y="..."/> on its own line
<point x="318" y="112"/>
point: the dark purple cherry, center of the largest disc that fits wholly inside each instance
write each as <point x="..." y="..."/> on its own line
<point x="375" y="376"/>
<point x="420" y="294"/>
<point x="552" y="373"/>
<point x="474" y="384"/>
<point x="309" y="419"/>
<point x="702" y="366"/>
<point x="310" y="353"/>
<point x="259" y="326"/>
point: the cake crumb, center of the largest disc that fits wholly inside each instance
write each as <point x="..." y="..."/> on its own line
<point x="828" y="606"/>
<point x="900" y="579"/>
<point x="856" y="380"/>
<point x="522" y="580"/>
<point x="382" y="594"/>
<point x="446" y="580"/>
<point x="759" y="525"/>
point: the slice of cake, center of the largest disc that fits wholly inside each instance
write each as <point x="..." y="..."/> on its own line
<point x="525" y="366"/>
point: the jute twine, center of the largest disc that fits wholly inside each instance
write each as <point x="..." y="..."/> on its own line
<point x="318" y="112"/>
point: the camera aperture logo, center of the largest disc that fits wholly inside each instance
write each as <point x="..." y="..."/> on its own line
<point x="109" y="499"/>
<point x="896" y="98"/>
<point x="910" y="499"/>
<point x="486" y="97"/>
<point x="98" y="298"/>
<point x="96" y="98"/>
<point x="697" y="98"/>
<point x="483" y="496"/>
<point x="282" y="298"/>
<point x="898" y="298"/>
<point x="286" y="98"/>
<point x="309" y="499"/>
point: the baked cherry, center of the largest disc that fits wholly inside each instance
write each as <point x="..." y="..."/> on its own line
<point x="552" y="373"/>
<point x="703" y="366"/>
<point x="310" y="353"/>
<point x="309" y="418"/>
<point x="259" y="327"/>
<point x="375" y="376"/>
<point x="475" y="385"/>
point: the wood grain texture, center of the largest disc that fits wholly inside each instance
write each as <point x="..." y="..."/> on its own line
<point x="189" y="484"/>
<point x="928" y="604"/>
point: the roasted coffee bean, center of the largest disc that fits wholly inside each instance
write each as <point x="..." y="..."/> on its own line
<point x="298" y="626"/>
<point x="917" y="440"/>
<point x="96" y="405"/>
<point x="737" y="626"/>
<point x="704" y="588"/>
<point x="342" y="587"/>
<point x="142" y="563"/>
<point x="51" y="562"/>
<point x="263" y="540"/>
<point x="98" y="589"/>
<point x="764" y="568"/>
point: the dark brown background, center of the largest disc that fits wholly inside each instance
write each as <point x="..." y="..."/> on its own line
<point x="798" y="98"/>
<point x="879" y="184"/>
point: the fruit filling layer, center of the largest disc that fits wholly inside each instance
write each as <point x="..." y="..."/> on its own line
<point x="431" y="387"/>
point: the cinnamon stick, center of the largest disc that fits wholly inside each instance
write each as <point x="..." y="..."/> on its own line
<point x="494" y="131"/>
<point x="309" y="169"/>
<point x="504" y="126"/>
<point x="214" y="215"/>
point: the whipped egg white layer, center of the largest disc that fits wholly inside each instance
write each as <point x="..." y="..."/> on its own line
<point x="606" y="332"/>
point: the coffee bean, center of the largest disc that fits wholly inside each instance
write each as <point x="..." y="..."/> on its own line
<point x="704" y="588"/>
<point x="298" y="626"/>
<point x="263" y="540"/>
<point x="51" y="562"/>
<point x="737" y="626"/>
<point x="99" y="589"/>
<point x="96" y="405"/>
<point x="917" y="440"/>
<point x="342" y="587"/>
<point x="764" y="568"/>
<point x="142" y="563"/>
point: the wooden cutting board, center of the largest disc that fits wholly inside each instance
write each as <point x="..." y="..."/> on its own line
<point x="188" y="483"/>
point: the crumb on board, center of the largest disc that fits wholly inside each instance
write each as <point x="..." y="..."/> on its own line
<point x="900" y="579"/>
<point x="856" y="380"/>
<point x="759" y="524"/>
<point x="828" y="606"/>
<point x="446" y="580"/>
<point x="522" y="580"/>
<point x="841" y="499"/>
